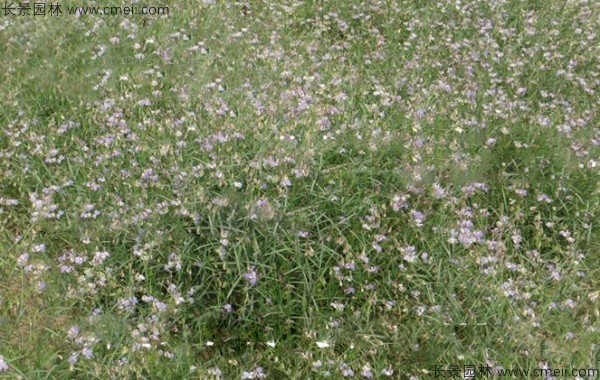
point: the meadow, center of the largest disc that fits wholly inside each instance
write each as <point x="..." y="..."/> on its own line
<point x="300" y="190"/>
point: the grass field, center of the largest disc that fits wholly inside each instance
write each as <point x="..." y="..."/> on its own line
<point x="300" y="190"/>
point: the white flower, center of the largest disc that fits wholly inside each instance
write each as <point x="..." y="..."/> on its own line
<point x="323" y="344"/>
<point x="387" y="372"/>
<point x="214" y="371"/>
<point x="3" y="364"/>
<point x="271" y="343"/>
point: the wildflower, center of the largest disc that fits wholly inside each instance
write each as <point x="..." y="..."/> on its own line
<point x="73" y="332"/>
<point x="347" y="372"/>
<point x="418" y="217"/>
<point x="251" y="277"/>
<point x="400" y="201"/>
<point x="160" y="306"/>
<point x="410" y="254"/>
<point x="73" y="358"/>
<point x="3" y="364"/>
<point x="169" y="355"/>
<point x="127" y="304"/>
<point x="215" y="371"/>
<point x="99" y="257"/>
<point x="341" y="97"/>
<point x="38" y="248"/>
<point x="387" y="372"/>
<point x="23" y="259"/>
<point x="544" y="198"/>
<point x="367" y="372"/>
<point x="257" y="373"/>
<point x="87" y="352"/>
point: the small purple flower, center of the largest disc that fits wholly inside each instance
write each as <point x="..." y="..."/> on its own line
<point x="73" y="358"/>
<point x="418" y="217"/>
<point x="251" y="276"/>
<point x="100" y="256"/>
<point x="160" y="306"/>
<point x="347" y="372"/>
<point x="38" y="248"/>
<point x="303" y="234"/>
<point x="73" y="332"/>
<point x="169" y="355"/>
<point x="410" y="254"/>
<point x="215" y="371"/>
<point x="87" y="352"/>
<point x="544" y="198"/>
<point x="3" y="364"/>
<point x="257" y="373"/>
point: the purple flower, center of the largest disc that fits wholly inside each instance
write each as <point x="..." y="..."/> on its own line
<point x="303" y="234"/>
<point x="87" y="352"/>
<point x="3" y="364"/>
<point x="410" y="254"/>
<point x="72" y="358"/>
<point x="418" y="217"/>
<point x="251" y="276"/>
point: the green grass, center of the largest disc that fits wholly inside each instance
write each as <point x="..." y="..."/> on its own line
<point x="311" y="144"/>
